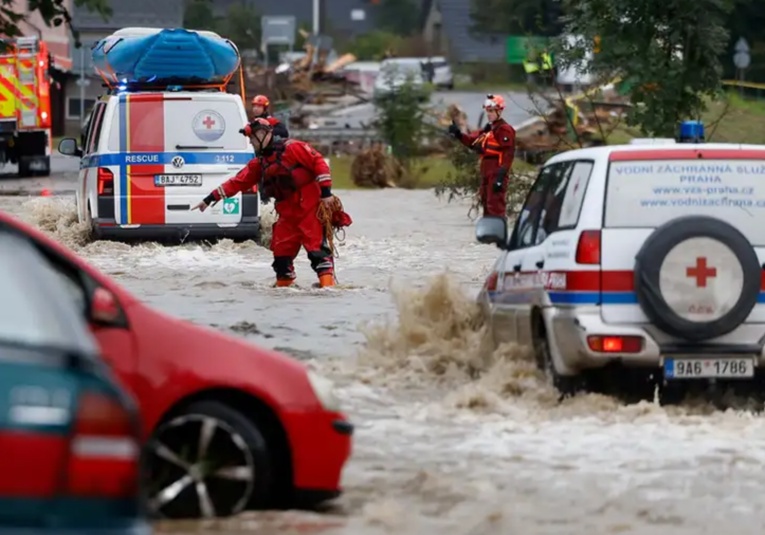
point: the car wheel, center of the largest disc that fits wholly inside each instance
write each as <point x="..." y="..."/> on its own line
<point x="210" y="461"/>
<point x="91" y="225"/>
<point x="567" y="385"/>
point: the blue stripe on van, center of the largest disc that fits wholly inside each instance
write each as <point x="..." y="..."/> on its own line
<point x="605" y="298"/>
<point x="166" y="158"/>
<point x="122" y="164"/>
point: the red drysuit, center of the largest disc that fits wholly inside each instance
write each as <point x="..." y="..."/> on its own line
<point x="296" y="176"/>
<point x="497" y="150"/>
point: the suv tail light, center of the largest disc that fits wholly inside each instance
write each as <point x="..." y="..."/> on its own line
<point x="615" y="344"/>
<point x="105" y="181"/>
<point x="588" y="248"/>
<point x="104" y="449"/>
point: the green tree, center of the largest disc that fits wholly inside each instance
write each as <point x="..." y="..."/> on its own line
<point x="373" y="45"/>
<point x="666" y="51"/>
<point x="53" y="12"/>
<point x="402" y="121"/>
<point x="199" y="15"/>
<point x="242" y="25"/>
<point x="401" y="17"/>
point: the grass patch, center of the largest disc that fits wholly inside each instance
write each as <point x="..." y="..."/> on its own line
<point x="730" y="120"/>
<point x="435" y="171"/>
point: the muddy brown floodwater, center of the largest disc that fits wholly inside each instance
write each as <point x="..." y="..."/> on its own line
<point x="437" y="449"/>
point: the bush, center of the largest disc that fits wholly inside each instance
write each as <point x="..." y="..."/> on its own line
<point x="402" y="124"/>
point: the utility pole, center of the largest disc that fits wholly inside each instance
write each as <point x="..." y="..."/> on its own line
<point x="316" y="16"/>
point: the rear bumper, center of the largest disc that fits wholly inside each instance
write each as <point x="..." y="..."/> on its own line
<point x="137" y="528"/>
<point x="107" y="230"/>
<point x="568" y="328"/>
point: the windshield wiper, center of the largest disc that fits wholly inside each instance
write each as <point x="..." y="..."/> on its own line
<point x="196" y="147"/>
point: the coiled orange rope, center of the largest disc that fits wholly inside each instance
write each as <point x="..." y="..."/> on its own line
<point x="331" y="233"/>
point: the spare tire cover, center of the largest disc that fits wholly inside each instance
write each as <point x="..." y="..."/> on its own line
<point x="697" y="277"/>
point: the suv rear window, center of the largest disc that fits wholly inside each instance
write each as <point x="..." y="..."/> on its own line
<point x="199" y="122"/>
<point x="650" y="193"/>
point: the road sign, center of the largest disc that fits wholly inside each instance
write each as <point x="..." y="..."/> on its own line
<point x="742" y="46"/>
<point x="742" y="60"/>
<point x="278" y="30"/>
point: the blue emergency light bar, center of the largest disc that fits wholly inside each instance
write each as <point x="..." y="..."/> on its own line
<point x="691" y="132"/>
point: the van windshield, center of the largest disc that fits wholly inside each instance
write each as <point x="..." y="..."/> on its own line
<point x="177" y="124"/>
<point x="650" y="193"/>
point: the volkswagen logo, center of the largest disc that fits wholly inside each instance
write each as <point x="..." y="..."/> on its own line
<point x="178" y="162"/>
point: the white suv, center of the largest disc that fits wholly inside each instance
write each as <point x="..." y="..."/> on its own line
<point x="645" y="261"/>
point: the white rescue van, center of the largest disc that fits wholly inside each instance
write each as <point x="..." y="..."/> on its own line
<point x="149" y="156"/>
<point x="637" y="266"/>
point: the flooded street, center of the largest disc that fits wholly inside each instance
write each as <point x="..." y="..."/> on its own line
<point x="440" y="448"/>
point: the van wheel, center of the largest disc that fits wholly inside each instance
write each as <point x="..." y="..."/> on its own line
<point x="209" y="461"/>
<point x="567" y="385"/>
<point x="91" y="225"/>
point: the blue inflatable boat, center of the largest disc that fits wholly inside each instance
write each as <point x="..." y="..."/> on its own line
<point x="135" y="55"/>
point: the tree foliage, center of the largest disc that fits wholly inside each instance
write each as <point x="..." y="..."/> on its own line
<point x="400" y="17"/>
<point x="241" y="22"/>
<point x="53" y="13"/>
<point x="667" y="52"/>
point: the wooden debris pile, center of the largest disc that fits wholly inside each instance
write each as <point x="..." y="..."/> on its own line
<point x="373" y="167"/>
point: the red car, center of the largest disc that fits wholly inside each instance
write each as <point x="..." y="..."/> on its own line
<point x="227" y="425"/>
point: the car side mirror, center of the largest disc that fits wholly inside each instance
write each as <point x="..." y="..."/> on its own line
<point x="68" y="147"/>
<point x="492" y="230"/>
<point x="104" y="307"/>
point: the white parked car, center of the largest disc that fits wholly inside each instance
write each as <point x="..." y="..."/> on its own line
<point x="149" y="156"/>
<point x="638" y="266"/>
<point x="439" y="69"/>
<point x="395" y="72"/>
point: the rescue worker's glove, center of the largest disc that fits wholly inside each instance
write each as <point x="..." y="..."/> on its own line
<point x="499" y="178"/>
<point x="455" y="131"/>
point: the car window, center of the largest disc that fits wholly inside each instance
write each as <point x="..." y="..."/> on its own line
<point x="36" y="309"/>
<point x="526" y="224"/>
<point x="551" y="207"/>
<point x="94" y="132"/>
<point x="572" y="202"/>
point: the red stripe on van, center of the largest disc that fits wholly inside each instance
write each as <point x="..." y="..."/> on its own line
<point x="31" y="464"/>
<point x="146" y="134"/>
<point x="687" y="154"/>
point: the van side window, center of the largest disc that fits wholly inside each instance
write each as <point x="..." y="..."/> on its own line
<point x="528" y="219"/>
<point x="556" y="190"/>
<point x="95" y="131"/>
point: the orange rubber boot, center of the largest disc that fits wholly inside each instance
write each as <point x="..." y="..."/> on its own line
<point x="283" y="283"/>
<point x="326" y="280"/>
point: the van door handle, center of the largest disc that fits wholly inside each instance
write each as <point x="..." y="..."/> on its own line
<point x="517" y="268"/>
<point x="540" y="264"/>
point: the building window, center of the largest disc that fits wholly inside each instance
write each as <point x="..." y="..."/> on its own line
<point x="73" y="107"/>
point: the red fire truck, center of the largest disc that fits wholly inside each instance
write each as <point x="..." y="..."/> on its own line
<point x="25" y="121"/>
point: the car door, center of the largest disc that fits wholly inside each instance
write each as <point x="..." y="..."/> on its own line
<point x="86" y="177"/>
<point x="552" y="185"/>
<point x="513" y="285"/>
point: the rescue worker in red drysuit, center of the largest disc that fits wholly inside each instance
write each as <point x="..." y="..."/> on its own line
<point x="496" y="146"/>
<point x="296" y="176"/>
<point x="260" y="109"/>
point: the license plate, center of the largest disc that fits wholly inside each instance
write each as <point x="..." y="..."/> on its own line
<point x="177" y="180"/>
<point x="708" y="368"/>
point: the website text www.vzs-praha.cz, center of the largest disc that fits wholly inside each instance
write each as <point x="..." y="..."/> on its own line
<point x="704" y="196"/>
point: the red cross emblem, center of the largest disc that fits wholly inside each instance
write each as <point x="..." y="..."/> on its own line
<point x="701" y="272"/>
<point x="208" y="122"/>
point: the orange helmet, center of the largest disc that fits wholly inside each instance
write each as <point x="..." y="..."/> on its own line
<point x="494" y="102"/>
<point x="255" y="125"/>
<point x="260" y="100"/>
